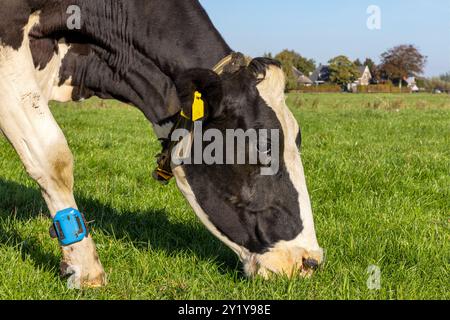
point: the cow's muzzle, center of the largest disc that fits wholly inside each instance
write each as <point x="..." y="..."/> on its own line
<point x="284" y="261"/>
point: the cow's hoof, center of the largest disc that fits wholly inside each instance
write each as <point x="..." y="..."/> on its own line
<point x="77" y="279"/>
<point x="82" y="266"/>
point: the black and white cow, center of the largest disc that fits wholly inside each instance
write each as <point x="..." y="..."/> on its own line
<point x="153" y="55"/>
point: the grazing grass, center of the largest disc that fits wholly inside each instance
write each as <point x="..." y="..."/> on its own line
<point x="378" y="172"/>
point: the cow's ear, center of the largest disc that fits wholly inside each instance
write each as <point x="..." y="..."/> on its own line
<point x="205" y="82"/>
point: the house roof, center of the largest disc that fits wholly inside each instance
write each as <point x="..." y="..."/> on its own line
<point x="322" y="73"/>
<point x="301" y="78"/>
<point x="363" y="69"/>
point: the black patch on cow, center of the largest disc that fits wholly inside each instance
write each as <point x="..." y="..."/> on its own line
<point x="43" y="51"/>
<point x="135" y="49"/>
<point x="252" y="210"/>
<point x="298" y="140"/>
<point x="14" y="16"/>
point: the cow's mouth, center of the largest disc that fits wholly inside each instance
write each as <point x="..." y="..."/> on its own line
<point x="287" y="262"/>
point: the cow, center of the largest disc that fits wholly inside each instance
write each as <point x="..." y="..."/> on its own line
<point x="156" y="55"/>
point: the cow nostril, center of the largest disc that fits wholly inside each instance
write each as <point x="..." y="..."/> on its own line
<point x="311" y="263"/>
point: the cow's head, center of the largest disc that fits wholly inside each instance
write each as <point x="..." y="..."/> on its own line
<point x="265" y="218"/>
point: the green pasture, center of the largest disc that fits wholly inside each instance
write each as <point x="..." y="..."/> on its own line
<point x="378" y="170"/>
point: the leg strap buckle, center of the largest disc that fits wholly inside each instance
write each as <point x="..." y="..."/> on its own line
<point x="69" y="226"/>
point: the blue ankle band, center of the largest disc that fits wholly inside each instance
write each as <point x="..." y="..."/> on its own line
<point x="69" y="226"/>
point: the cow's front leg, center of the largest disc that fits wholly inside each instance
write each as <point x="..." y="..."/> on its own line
<point x="27" y="122"/>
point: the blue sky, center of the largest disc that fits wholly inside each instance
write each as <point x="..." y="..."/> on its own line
<point x="322" y="29"/>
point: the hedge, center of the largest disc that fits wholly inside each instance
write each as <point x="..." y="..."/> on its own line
<point x="373" y="88"/>
<point x="382" y="88"/>
<point x="319" y="89"/>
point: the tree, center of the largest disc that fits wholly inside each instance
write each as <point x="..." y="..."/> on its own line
<point x="401" y="62"/>
<point x="436" y="83"/>
<point x="445" y="77"/>
<point x="290" y="59"/>
<point x="358" y="63"/>
<point x="342" y="70"/>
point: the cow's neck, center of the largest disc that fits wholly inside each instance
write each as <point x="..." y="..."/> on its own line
<point x="175" y="35"/>
<point x="138" y="48"/>
<point x="187" y="39"/>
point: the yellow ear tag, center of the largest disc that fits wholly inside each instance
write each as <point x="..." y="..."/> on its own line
<point x="198" y="107"/>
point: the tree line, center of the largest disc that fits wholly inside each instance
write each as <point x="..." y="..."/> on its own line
<point x="396" y="65"/>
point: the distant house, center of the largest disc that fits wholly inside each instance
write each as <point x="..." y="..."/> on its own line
<point x="301" y="78"/>
<point x="412" y="84"/>
<point x="320" y="75"/>
<point x="365" y="76"/>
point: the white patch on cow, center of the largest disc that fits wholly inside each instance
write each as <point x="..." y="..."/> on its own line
<point x="62" y="93"/>
<point x="28" y="124"/>
<point x="272" y="92"/>
<point x="48" y="78"/>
